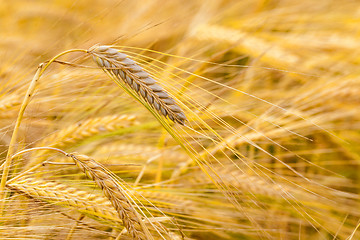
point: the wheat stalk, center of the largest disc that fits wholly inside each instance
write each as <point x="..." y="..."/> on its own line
<point x="123" y="68"/>
<point x="29" y="93"/>
<point x="115" y="193"/>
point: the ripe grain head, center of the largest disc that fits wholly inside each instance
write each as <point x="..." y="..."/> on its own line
<point x="134" y="76"/>
<point x="115" y="193"/>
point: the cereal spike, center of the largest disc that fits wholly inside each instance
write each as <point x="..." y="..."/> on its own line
<point x="88" y="203"/>
<point x="115" y="193"/>
<point x="133" y="75"/>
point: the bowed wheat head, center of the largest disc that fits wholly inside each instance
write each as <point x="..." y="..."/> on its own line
<point x="247" y="127"/>
<point x="135" y="77"/>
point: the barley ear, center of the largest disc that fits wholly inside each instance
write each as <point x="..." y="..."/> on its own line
<point x="88" y="203"/>
<point x="116" y="194"/>
<point x="129" y="72"/>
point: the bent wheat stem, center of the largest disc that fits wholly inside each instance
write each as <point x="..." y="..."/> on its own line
<point x="35" y="166"/>
<point x="6" y="165"/>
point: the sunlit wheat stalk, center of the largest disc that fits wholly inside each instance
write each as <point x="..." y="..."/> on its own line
<point x="12" y="146"/>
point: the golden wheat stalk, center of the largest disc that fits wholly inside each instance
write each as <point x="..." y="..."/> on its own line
<point x="123" y="68"/>
<point x="12" y="145"/>
<point x="115" y="193"/>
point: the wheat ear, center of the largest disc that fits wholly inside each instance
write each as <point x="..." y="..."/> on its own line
<point x="242" y="181"/>
<point x="9" y="102"/>
<point x="80" y="131"/>
<point x="123" y="68"/>
<point x="115" y="193"/>
<point x="88" y="203"/>
<point x="88" y="128"/>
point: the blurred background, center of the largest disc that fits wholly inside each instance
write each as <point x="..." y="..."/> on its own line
<point x="270" y="88"/>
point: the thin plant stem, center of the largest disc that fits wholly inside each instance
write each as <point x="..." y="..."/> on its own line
<point x="72" y="230"/>
<point x="36" y="166"/>
<point x="38" y="148"/>
<point x="144" y="168"/>
<point x="6" y="165"/>
<point x="8" y="160"/>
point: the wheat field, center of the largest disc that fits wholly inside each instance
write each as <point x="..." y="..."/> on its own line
<point x="151" y="119"/>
